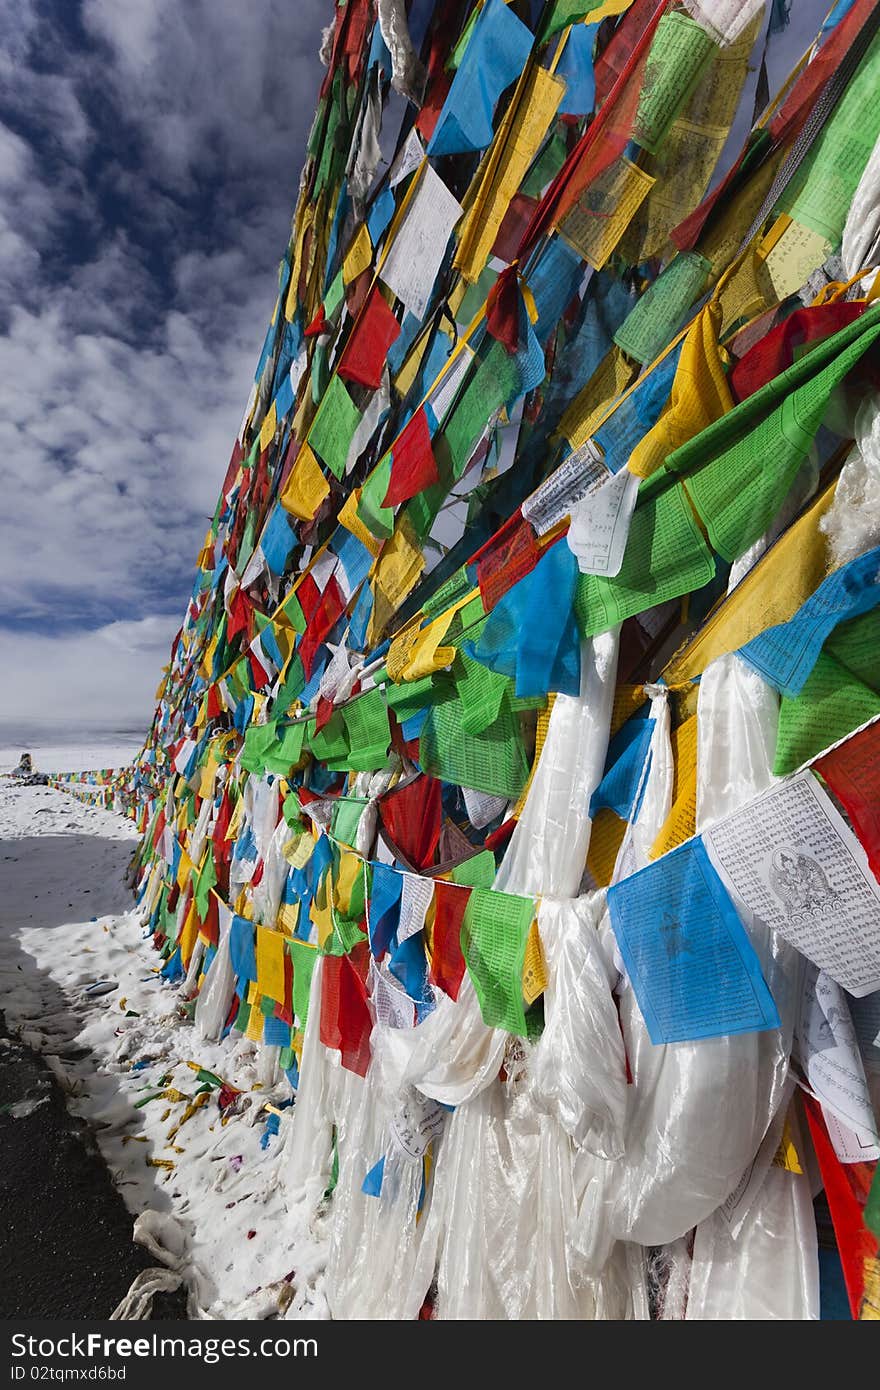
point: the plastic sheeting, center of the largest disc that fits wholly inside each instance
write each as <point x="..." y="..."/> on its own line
<point x="548" y="848"/>
<point x="852" y="522"/>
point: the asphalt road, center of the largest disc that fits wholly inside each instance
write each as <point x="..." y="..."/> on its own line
<point x="65" y="1234"/>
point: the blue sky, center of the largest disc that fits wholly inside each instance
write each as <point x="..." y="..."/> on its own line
<point x="150" y="153"/>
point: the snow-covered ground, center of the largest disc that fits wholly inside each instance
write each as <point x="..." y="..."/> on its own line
<point x="129" y="1057"/>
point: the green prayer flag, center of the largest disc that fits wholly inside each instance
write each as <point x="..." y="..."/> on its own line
<point x="822" y="191"/>
<point x="542" y="172"/>
<point x="334" y="425"/>
<point x="492" y="383"/>
<point x="409" y="698"/>
<point x="494" y="931"/>
<point x="304" y="958"/>
<point x="204" y="881"/>
<point x="838" y="696"/>
<point x="378" y="520"/>
<point x="654" y="319"/>
<point x="476" y="872"/>
<point x="334" y="296"/>
<point x="330" y="743"/>
<point x="739" y="492"/>
<point x="677" y="59"/>
<point x="665" y="557"/>
<point x="495" y="761"/>
<point x="480" y="692"/>
<point x="292" y="609"/>
<point x="294" y="685"/>
<point x="346" y="818"/>
<point x="286" y="751"/>
<point x="257" y="742"/>
<point x="369" y="733"/>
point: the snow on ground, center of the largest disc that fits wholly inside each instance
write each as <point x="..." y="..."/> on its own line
<point x="128" y="1058"/>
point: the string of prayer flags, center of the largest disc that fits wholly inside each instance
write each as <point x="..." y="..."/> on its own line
<point x="570" y="386"/>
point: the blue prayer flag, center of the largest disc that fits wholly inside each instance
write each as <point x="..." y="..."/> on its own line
<point x="496" y="54"/>
<point x="786" y="654"/>
<point x="694" y="971"/>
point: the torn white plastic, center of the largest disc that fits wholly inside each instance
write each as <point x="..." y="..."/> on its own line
<point x="407" y="73"/>
<point x="548" y="848"/>
<point x="852" y="522"/>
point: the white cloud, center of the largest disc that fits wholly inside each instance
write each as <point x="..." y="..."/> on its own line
<point x="106" y="676"/>
<point x="148" y="174"/>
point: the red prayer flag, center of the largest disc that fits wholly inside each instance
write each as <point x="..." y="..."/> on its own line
<point x="773" y="353"/>
<point x="412" y="815"/>
<point x="345" y="1015"/>
<point x="215" y="709"/>
<point x="509" y="556"/>
<point x="855" y="1243"/>
<point x="239" y="615"/>
<point x="447" y="960"/>
<point x="318" y="324"/>
<point x="258" y="671"/>
<point x="413" y="467"/>
<point x="502" y="305"/>
<point x="852" y="771"/>
<point x="365" y="352"/>
<point x="323" y="713"/>
<point x="329" y="610"/>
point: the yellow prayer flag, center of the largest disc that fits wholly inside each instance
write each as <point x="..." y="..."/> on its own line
<point x="322" y="917"/>
<point x="412" y="363"/>
<point x="427" y="655"/>
<point x="206" y="665"/>
<point x="786" y="1156"/>
<point x="351" y="868"/>
<point x="184" y="869"/>
<point x="359" y="256"/>
<point x="606" y="837"/>
<point x="602" y="213"/>
<point x="306" y="487"/>
<point x="235" y="820"/>
<point x="270" y="963"/>
<point x="700" y="395"/>
<point x="188" y="933"/>
<point x="348" y="517"/>
<point x="770" y="593"/>
<point x="395" y="575"/>
<point x="256" y="1023"/>
<point x="269" y="426"/>
<point x="612" y="376"/>
<point x="288" y="917"/>
<point x="209" y="772"/>
<point x="534" y="974"/>
<point x="516" y="143"/>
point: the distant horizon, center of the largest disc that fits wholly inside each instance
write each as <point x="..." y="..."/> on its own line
<point x="58" y="726"/>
